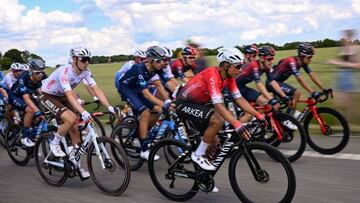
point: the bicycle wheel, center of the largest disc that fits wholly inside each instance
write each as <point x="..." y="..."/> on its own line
<point x="293" y="143"/>
<point x="178" y="183"/>
<point x="262" y="179"/>
<point x="121" y="135"/>
<point x="98" y="127"/>
<point x="4" y="124"/>
<point x="51" y="168"/>
<point x="172" y="153"/>
<point x="18" y="153"/>
<point x="111" y="172"/>
<point x="336" y="134"/>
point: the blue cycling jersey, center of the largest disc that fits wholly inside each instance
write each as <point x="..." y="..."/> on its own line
<point x="24" y="85"/>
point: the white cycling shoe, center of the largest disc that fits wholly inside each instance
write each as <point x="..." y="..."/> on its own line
<point x="27" y="142"/>
<point x="145" y="155"/>
<point x="290" y="125"/>
<point x="203" y="162"/>
<point x="56" y="150"/>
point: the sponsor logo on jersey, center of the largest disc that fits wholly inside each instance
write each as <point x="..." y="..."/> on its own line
<point x="194" y="112"/>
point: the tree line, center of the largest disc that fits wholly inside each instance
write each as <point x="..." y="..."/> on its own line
<point x="14" y="55"/>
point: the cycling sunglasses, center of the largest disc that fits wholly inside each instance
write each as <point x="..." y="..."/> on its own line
<point x="85" y="59"/>
<point x="309" y="57"/>
<point x="17" y="71"/>
<point x="191" y="57"/>
<point x="270" y="59"/>
<point x="40" y="73"/>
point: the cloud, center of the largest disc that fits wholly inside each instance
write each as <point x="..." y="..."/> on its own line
<point x="356" y="6"/>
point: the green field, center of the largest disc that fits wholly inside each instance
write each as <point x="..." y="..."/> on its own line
<point x="104" y="75"/>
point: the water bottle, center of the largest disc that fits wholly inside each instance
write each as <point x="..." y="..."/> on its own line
<point x="182" y="131"/>
<point x="161" y="132"/>
<point x="16" y="117"/>
<point x="152" y="134"/>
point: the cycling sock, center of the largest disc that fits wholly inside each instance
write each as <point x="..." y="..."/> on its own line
<point x="57" y="139"/>
<point x="201" y="150"/>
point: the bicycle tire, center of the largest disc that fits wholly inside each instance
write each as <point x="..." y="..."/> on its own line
<point x="99" y="125"/>
<point x="169" y="153"/>
<point x="298" y="148"/>
<point x="344" y="138"/>
<point x="3" y="129"/>
<point x="120" y="135"/>
<point x="280" y="159"/>
<point x="120" y="159"/>
<point x="189" y="192"/>
<point x="39" y="154"/>
<point x="18" y="153"/>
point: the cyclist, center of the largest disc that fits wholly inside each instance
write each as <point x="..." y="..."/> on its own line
<point x="250" y="53"/>
<point x="291" y="66"/>
<point x="205" y="87"/>
<point x="10" y="78"/>
<point x="58" y="96"/>
<point x="133" y="87"/>
<point x="183" y="67"/>
<point x="139" y="56"/>
<point x="25" y="67"/>
<point x="20" y="97"/>
<point x="252" y="71"/>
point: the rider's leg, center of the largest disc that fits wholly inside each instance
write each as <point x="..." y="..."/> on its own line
<point x="297" y="95"/>
<point x="27" y="130"/>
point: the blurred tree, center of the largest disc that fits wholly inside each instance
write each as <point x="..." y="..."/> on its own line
<point x="5" y="63"/>
<point x="14" y="55"/>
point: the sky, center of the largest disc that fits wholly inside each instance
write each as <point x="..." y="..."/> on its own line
<point x="50" y="28"/>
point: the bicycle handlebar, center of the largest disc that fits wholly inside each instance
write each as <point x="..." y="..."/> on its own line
<point x="97" y="102"/>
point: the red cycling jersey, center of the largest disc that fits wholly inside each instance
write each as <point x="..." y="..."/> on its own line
<point x="178" y="68"/>
<point x="206" y="86"/>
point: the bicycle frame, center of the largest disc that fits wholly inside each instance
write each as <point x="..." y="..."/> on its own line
<point x="311" y="107"/>
<point x="268" y="110"/>
<point x="91" y="137"/>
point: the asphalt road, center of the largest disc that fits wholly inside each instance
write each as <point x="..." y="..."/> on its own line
<point x="319" y="179"/>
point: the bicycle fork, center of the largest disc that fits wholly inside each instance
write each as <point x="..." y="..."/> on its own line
<point x="259" y="174"/>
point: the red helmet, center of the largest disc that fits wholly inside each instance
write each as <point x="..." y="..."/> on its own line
<point x="189" y="51"/>
<point x="251" y="49"/>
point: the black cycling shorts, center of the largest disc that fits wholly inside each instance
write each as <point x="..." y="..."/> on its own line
<point x="198" y="114"/>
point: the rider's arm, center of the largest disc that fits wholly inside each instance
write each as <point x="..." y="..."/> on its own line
<point x="152" y="98"/>
<point x="172" y="84"/>
<point x="4" y="93"/>
<point x="30" y="103"/>
<point x="70" y="95"/>
<point x="316" y="80"/>
<point x="220" y="109"/>
<point x="244" y="105"/>
<point x="260" y="86"/>
<point x="163" y="93"/>
<point x="277" y="88"/>
<point x="100" y="94"/>
<point x="304" y="84"/>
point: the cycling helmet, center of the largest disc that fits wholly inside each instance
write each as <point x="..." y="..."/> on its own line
<point x="189" y="51"/>
<point x="37" y="65"/>
<point x="251" y="49"/>
<point x="140" y="54"/>
<point x="305" y="49"/>
<point x="156" y="52"/>
<point x="16" y="66"/>
<point x="266" y="51"/>
<point x="25" y="67"/>
<point x="230" y="55"/>
<point x="80" y="52"/>
<point x="168" y="52"/>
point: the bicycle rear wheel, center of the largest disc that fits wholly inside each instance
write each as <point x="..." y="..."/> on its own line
<point x="336" y="135"/>
<point x="121" y="134"/>
<point x="111" y="172"/>
<point x="51" y="168"/>
<point x="178" y="183"/>
<point x="262" y="178"/>
<point x="4" y="124"/>
<point x="18" y="153"/>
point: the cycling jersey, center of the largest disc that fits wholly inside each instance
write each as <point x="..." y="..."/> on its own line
<point x="167" y="72"/>
<point x="178" y="68"/>
<point x="8" y="81"/>
<point x="138" y="76"/>
<point x="251" y="72"/>
<point x="206" y="86"/>
<point x="22" y="86"/>
<point x="64" y="79"/>
<point x="287" y="67"/>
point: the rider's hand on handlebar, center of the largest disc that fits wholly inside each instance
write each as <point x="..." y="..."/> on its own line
<point x="39" y="115"/>
<point x="274" y="103"/>
<point x="261" y="119"/>
<point x="242" y="130"/>
<point x="167" y="105"/>
<point x="86" y="116"/>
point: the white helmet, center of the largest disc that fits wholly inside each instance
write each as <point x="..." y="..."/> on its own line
<point x="231" y="55"/>
<point x="168" y="52"/>
<point x="80" y="52"/>
<point x="16" y="66"/>
<point x="139" y="53"/>
<point x="25" y="67"/>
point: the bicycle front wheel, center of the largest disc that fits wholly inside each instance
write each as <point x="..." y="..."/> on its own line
<point x="18" y="153"/>
<point x="179" y="182"/>
<point x="51" y="168"/>
<point x="109" y="167"/>
<point x="335" y="133"/>
<point x="262" y="178"/>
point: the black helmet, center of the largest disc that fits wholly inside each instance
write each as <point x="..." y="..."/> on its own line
<point x="251" y="49"/>
<point x="37" y="65"/>
<point x="305" y="49"/>
<point x="156" y="52"/>
<point x="266" y="51"/>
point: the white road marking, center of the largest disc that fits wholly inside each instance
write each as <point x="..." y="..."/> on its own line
<point x="346" y="156"/>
